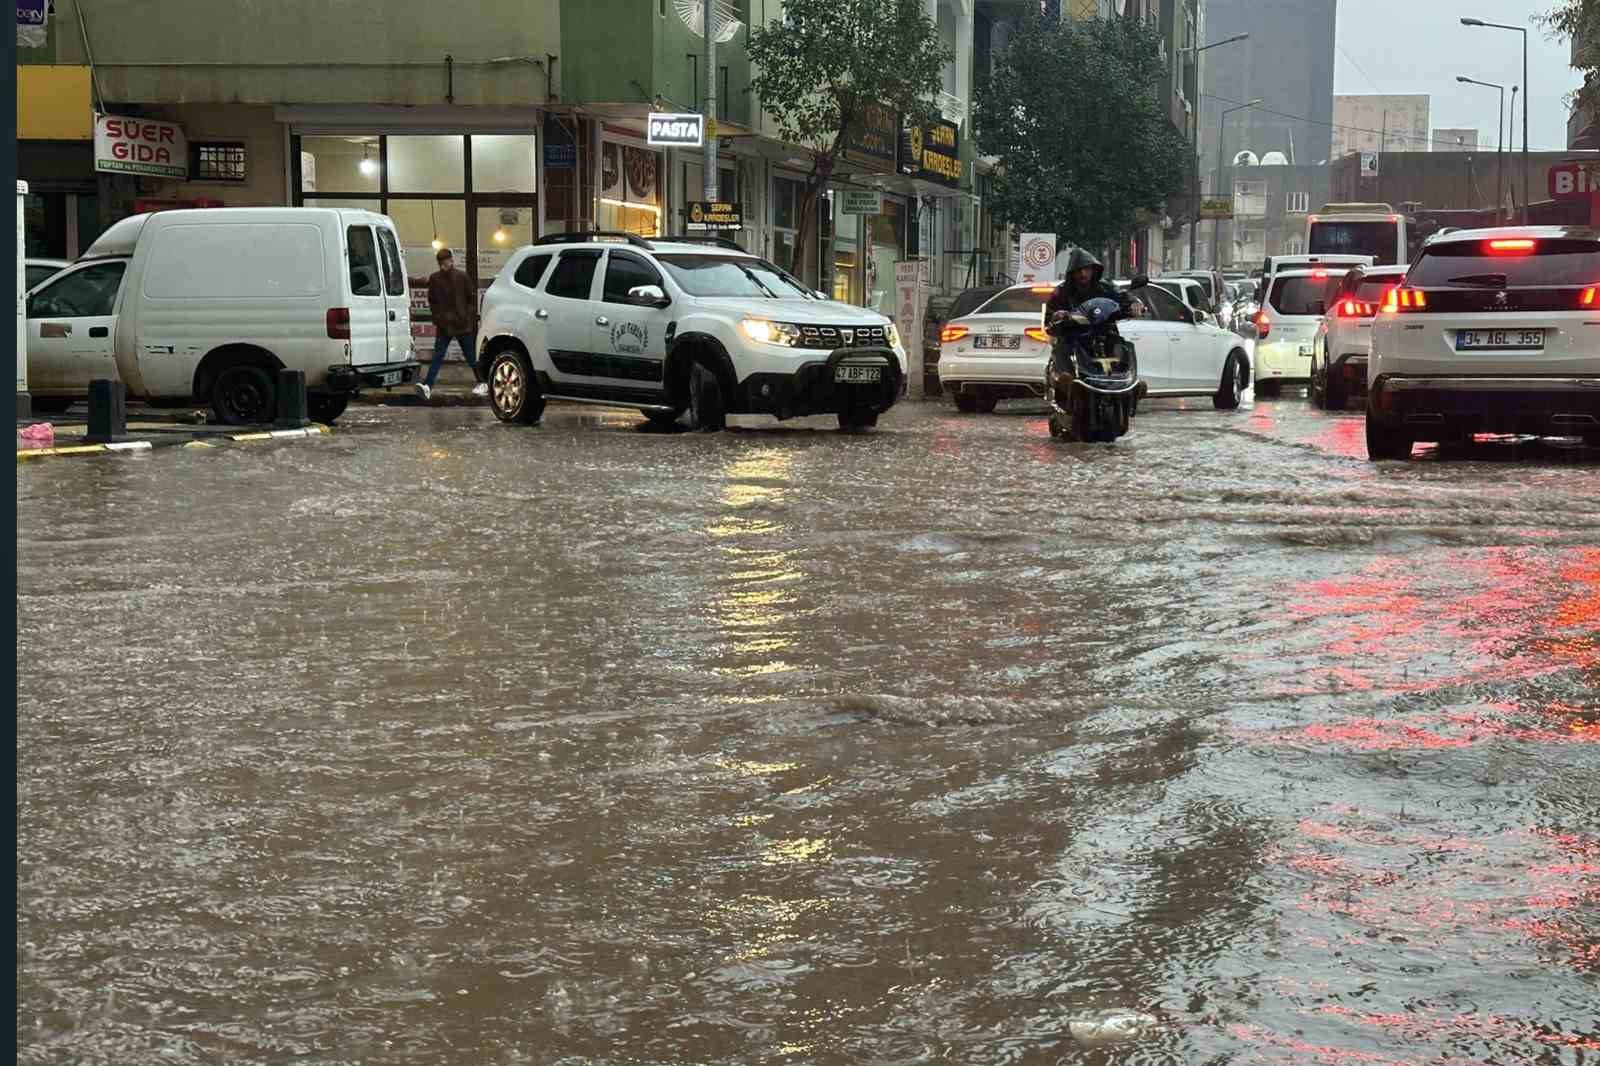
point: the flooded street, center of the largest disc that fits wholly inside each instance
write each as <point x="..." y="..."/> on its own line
<point x="444" y="741"/>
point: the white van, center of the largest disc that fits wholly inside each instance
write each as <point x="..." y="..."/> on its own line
<point x="208" y="305"/>
<point x="1374" y="230"/>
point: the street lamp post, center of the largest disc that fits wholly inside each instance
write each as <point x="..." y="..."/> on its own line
<point x="1194" y="137"/>
<point x="1499" y="144"/>
<point x="1522" y="30"/>
<point x="1222" y="136"/>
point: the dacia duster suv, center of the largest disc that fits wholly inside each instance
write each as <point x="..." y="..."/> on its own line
<point x="679" y="328"/>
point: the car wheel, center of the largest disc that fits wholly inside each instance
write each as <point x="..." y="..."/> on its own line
<point x="1231" y="389"/>
<point x="325" y="407"/>
<point x="1333" y="396"/>
<point x="1386" y="443"/>
<point x="966" y="403"/>
<point x="855" y="421"/>
<point x="707" y="410"/>
<point x="243" y="396"/>
<point x="513" y="394"/>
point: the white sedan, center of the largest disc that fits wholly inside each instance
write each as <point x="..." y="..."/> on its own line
<point x="1000" y="350"/>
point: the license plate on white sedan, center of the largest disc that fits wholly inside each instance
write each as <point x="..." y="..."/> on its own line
<point x="1500" y="340"/>
<point x="998" y="340"/>
<point x="392" y="377"/>
<point x="858" y="375"/>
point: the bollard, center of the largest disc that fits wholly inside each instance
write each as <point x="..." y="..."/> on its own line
<point x="108" y="412"/>
<point x="291" y="400"/>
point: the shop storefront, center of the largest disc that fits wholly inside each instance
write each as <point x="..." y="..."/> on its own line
<point x="474" y="192"/>
<point x="632" y="184"/>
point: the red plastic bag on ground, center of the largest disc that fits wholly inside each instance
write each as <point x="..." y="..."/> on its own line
<point x="38" y="435"/>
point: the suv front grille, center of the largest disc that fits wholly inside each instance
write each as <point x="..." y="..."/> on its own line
<point x="831" y="337"/>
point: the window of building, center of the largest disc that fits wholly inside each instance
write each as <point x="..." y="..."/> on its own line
<point x="1249" y="199"/>
<point x="630" y="188"/>
<point x="213" y="161"/>
<point x="786" y="198"/>
<point x="1299" y="203"/>
<point x="1295" y="245"/>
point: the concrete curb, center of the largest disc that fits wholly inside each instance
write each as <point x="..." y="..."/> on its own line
<point x="175" y="441"/>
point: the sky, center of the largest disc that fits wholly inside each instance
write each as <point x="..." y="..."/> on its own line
<point x="1419" y="46"/>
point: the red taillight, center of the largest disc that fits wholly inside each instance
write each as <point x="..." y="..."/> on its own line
<point x="1587" y="299"/>
<point x="1037" y="333"/>
<point x="952" y="333"/>
<point x="339" y="323"/>
<point x="1404" y="299"/>
<point x="1516" y="246"/>
<point x="1349" y="309"/>
<point x="1320" y="275"/>
<point x="1263" y="325"/>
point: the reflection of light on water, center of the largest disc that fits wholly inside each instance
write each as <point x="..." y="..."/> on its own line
<point x="758" y="923"/>
<point x="790" y="852"/>
<point x="754" y="769"/>
<point x="750" y="605"/>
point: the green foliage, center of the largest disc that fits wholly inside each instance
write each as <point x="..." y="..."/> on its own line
<point x="1579" y="21"/>
<point x="1084" y="142"/>
<point x="817" y="69"/>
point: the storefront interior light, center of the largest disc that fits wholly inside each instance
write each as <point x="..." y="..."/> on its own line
<point x="369" y="165"/>
<point x="652" y="208"/>
<point x="499" y="236"/>
<point x="437" y="243"/>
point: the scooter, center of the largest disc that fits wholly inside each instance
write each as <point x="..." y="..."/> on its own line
<point x="1092" y="378"/>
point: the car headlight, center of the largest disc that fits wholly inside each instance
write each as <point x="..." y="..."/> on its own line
<point x="765" y="331"/>
<point x="892" y="334"/>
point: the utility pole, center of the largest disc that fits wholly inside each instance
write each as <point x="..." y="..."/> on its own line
<point x="709" y="151"/>
<point x="1199" y="95"/>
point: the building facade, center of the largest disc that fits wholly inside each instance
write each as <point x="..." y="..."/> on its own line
<point x="1287" y="64"/>
<point x="1387" y="123"/>
<point x="481" y="126"/>
<point x="1451" y="139"/>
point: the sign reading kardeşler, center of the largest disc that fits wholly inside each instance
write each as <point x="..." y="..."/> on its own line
<point x="124" y="145"/>
<point x="701" y="216"/>
<point x="675" y="131"/>
<point x="1216" y="208"/>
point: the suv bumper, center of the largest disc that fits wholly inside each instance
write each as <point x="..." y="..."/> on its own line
<point x="1546" y="406"/>
<point x="347" y="378"/>
<point x="813" y="389"/>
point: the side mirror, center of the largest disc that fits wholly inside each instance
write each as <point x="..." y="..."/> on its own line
<point x="1139" y="281"/>
<point x="648" y="296"/>
<point x="819" y="294"/>
<point x="1202" y="317"/>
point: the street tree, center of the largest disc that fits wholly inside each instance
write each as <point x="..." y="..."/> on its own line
<point x="1073" y="113"/>
<point x="821" y="68"/>
<point x="1578" y="21"/>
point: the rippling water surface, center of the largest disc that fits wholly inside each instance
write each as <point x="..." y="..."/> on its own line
<point x="444" y="741"/>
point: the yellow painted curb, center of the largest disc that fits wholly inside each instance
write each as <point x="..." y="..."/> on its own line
<point x="84" y="449"/>
<point x="314" y="430"/>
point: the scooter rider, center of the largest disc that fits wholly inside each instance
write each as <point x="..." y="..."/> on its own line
<point x="1085" y="281"/>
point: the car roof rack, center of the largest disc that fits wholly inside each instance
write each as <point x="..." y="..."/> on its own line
<point x="596" y="236"/>
<point x="705" y="238"/>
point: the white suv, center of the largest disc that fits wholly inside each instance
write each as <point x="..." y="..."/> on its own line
<point x="1344" y="341"/>
<point x="1492" y="331"/>
<point x="679" y="326"/>
<point x="1287" y="325"/>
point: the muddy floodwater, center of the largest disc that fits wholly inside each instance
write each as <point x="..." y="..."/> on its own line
<point x="442" y="741"/>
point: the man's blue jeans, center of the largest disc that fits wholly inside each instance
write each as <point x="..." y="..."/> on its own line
<point x="441" y="345"/>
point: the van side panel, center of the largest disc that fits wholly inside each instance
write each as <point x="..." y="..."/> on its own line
<point x="205" y="282"/>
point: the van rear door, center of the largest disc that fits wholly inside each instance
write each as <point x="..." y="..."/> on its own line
<point x="367" y="318"/>
<point x="396" y="296"/>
